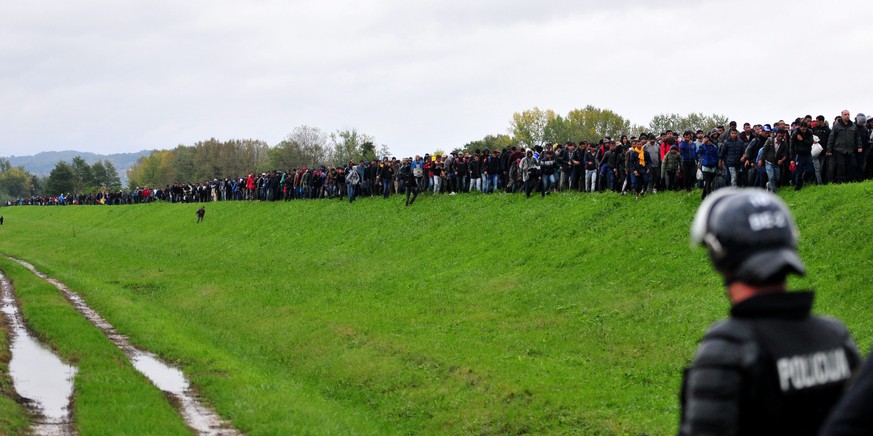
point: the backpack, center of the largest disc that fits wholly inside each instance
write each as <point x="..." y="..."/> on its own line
<point x="353" y="177"/>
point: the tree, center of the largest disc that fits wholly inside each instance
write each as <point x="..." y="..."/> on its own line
<point x="105" y="176"/>
<point x="83" y="176"/>
<point x="312" y="143"/>
<point x="112" y="180"/>
<point x="153" y="170"/>
<point x="529" y="127"/>
<point x="15" y="182"/>
<point x="305" y="146"/>
<point x="286" y="154"/>
<point x="62" y="179"/>
<point x="589" y="124"/>
<point x="347" y="145"/>
<point x="214" y="159"/>
<point x="384" y="151"/>
<point x="489" y="142"/>
<point x="183" y="164"/>
<point x="368" y="151"/>
<point x="99" y="172"/>
<point x="205" y="160"/>
<point x="692" y="122"/>
<point x="36" y="185"/>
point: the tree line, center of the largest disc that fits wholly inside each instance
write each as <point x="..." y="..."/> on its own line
<point x="311" y="147"/>
<point x="76" y="176"/>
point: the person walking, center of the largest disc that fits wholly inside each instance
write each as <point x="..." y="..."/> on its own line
<point x="529" y="168"/>
<point x="773" y="154"/>
<point x="707" y="163"/>
<point x="801" y="152"/>
<point x="353" y="178"/>
<point x="548" y="165"/>
<point x="407" y="177"/>
<point x="688" y="151"/>
<point x="671" y="164"/>
<point x="843" y="142"/>
<point x="732" y="150"/>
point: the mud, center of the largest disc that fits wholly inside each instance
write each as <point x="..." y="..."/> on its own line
<point x="167" y="378"/>
<point x="39" y="376"/>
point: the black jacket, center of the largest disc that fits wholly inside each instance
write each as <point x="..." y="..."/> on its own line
<point x="731" y="152"/>
<point x="548" y="166"/>
<point x="772" y="154"/>
<point x="386" y="171"/>
<point x="844" y="138"/>
<point x="754" y="146"/>
<point x="864" y="134"/>
<point x="578" y="156"/>
<point x="589" y="161"/>
<point x="563" y="159"/>
<point x="611" y="158"/>
<point x="475" y="169"/>
<point x="801" y="147"/>
<point x="772" y="368"/>
<point x="405" y="175"/>
<point x="851" y="416"/>
<point x="823" y="132"/>
<point x="493" y="166"/>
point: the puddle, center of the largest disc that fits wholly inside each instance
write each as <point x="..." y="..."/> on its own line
<point x="167" y="378"/>
<point x="37" y="373"/>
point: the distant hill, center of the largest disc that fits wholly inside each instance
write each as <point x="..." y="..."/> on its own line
<point x="42" y="164"/>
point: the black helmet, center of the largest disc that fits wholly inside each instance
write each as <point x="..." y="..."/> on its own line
<point x="750" y="235"/>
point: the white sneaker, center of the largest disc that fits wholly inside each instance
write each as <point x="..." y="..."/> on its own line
<point x="452" y="193"/>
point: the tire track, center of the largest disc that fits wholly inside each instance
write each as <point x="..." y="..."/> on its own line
<point x="201" y="419"/>
<point x="38" y="375"/>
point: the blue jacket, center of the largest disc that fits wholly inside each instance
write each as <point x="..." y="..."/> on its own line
<point x="687" y="150"/>
<point x="708" y="154"/>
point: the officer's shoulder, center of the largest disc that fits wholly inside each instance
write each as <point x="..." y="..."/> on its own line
<point x="730" y="342"/>
<point x="731" y="329"/>
<point x="832" y="324"/>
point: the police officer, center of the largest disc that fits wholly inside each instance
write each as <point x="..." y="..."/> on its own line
<point x="772" y="367"/>
<point x="853" y="415"/>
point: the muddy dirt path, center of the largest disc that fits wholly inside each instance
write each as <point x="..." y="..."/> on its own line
<point x="38" y="375"/>
<point x="169" y="379"/>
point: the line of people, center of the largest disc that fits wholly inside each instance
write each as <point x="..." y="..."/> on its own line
<point x="761" y="155"/>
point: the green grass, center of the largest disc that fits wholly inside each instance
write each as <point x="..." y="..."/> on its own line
<point x="13" y="416"/>
<point x="466" y="314"/>
<point x="110" y="396"/>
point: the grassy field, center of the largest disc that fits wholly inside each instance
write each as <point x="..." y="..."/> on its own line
<point x="13" y="416"/>
<point x="110" y="397"/>
<point x="466" y="314"/>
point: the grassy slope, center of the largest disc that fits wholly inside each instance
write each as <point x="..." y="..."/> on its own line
<point x="460" y="314"/>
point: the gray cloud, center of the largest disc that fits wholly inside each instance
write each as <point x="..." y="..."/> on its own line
<point x="121" y="75"/>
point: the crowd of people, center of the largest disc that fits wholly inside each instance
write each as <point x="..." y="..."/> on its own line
<point x="768" y="156"/>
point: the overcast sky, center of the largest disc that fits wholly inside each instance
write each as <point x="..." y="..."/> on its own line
<point x="111" y="76"/>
